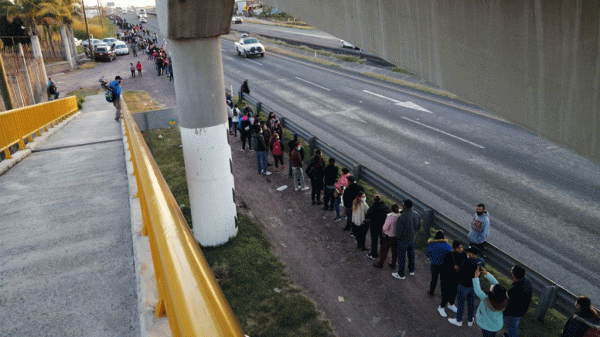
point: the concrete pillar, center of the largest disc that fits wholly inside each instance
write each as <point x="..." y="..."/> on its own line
<point x="65" y="41"/>
<point x="7" y="98"/>
<point x="193" y="28"/>
<point x="26" y="73"/>
<point x="37" y="53"/>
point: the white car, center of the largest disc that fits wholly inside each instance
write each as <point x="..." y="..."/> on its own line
<point x="110" y="40"/>
<point x="94" y="42"/>
<point x="236" y="19"/>
<point x="121" y="48"/>
<point x="346" y="44"/>
<point x="249" y="46"/>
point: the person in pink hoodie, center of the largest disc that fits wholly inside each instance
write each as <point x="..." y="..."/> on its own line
<point x="389" y="238"/>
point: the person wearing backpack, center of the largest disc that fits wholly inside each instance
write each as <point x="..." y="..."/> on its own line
<point x="276" y="147"/>
<point x="115" y="87"/>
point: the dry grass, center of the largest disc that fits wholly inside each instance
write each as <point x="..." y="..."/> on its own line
<point x="138" y="101"/>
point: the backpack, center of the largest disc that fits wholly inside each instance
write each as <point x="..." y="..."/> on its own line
<point x="110" y="95"/>
<point x="277" y="148"/>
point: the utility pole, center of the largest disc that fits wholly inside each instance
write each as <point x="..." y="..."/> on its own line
<point x="194" y="29"/>
<point x="87" y="30"/>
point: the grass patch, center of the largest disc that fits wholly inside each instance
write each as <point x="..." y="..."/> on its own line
<point x="82" y="94"/>
<point x="87" y="65"/>
<point x="139" y="101"/>
<point x="402" y="71"/>
<point x="416" y="86"/>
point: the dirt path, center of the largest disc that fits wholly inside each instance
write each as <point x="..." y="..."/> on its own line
<point x="322" y="259"/>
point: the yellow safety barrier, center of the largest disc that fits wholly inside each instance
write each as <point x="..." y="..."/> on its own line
<point x="187" y="289"/>
<point x="18" y="124"/>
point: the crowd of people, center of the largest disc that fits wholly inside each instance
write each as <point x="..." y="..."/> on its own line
<point x="396" y="228"/>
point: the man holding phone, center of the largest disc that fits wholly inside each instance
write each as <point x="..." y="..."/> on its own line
<point x="465" y="289"/>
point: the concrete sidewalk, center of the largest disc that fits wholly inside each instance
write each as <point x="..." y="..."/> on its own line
<point x="67" y="261"/>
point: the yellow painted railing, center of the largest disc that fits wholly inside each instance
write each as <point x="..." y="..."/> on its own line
<point x="188" y="291"/>
<point x="19" y="124"/>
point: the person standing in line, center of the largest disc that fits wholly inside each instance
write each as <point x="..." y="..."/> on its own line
<point x="276" y="147"/>
<point x="349" y="195"/>
<point x="491" y="305"/>
<point x="248" y="109"/>
<point x="449" y="277"/>
<point x="519" y="298"/>
<point x="315" y="172"/>
<point x="134" y="49"/>
<point x="407" y="227"/>
<point x="480" y="228"/>
<point x="230" y="118"/>
<point x="260" y="146"/>
<point x="376" y="217"/>
<point x="235" y="120"/>
<point x="330" y="174"/>
<point x="138" y="66"/>
<point x="170" y="69"/>
<point x="389" y="240"/>
<point x="437" y="248"/>
<point x="245" y="131"/>
<point x="585" y="322"/>
<point x="291" y="146"/>
<point x="132" y="68"/>
<point x="465" y="291"/>
<point x="359" y="210"/>
<point x="115" y="86"/>
<point x="297" y="163"/>
<point x="340" y="188"/>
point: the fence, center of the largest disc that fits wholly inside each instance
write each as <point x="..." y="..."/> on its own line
<point x="551" y="294"/>
<point x="187" y="288"/>
<point x="19" y="124"/>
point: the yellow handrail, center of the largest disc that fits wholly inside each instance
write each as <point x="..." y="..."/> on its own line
<point x="188" y="291"/>
<point x="18" y="124"/>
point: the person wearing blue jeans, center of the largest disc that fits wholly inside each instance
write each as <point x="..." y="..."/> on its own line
<point x="465" y="290"/>
<point x="407" y="227"/>
<point x="520" y="298"/>
<point x="260" y="146"/>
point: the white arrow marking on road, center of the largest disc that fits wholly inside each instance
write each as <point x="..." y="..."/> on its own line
<point x="444" y="132"/>
<point x="260" y="64"/>
<point x="407" y="104"/>
<point x="316" y="85"/>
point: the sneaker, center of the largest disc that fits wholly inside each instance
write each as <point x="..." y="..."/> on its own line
<point x="242" y="150"/>
<point x="377" y="265"/>
<point x="337" y="219"/>
<point x="371" y="256"/>
<point x="305" y="188"/>
<point x="442" y="312"/>
<point x="267" y="173"/>
<point x="454" y="321"/>
<point x="396" y="275"/>
<point x="352" y="235"/>
<point x="411" y="273"/>
<point x="470" y="323"/>
<point x="296" y="188"/>
<point x="453" y="308"/>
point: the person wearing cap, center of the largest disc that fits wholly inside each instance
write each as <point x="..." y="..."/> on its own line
<point x="116" y="88"/>
<point x="465" y="289"/>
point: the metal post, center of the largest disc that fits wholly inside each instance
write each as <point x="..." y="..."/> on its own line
<point x="4" y="88"/>
<point x="546" y="301"/>
<point x="26" y="73"/>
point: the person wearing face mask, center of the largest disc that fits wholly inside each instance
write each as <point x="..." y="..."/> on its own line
<point x="407" y="227"/>
<point x="359" y="210"/>
<point x="480" y="228"/>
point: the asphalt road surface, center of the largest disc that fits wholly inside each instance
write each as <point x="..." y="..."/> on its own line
<point x="544" y="201"/>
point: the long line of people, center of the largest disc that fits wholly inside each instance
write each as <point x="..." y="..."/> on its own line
<point x="396" y="228"/>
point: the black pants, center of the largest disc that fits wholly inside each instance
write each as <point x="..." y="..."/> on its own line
<point x="349" y="218"/>
<point x="246" y="136"/>
<point x="133" y="73"/>
<point x="328" y="197"/>
<point x="360" y="232"/>
<point x="277" y="159"/>
<point x="449" y="289"/>
<point x="435" y="273"/>
<point x="315" y="193"/>
<point x="375" y="237"/>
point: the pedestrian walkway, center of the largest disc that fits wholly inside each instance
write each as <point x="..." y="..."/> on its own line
<point x="67" y="262"/>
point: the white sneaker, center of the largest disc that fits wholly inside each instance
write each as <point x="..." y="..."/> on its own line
<point x="470" y="323"/>
<point x="453" y="308"/>
<point x="267" y="173"/>
<point x="396" y="275"/>
<point x="242" y="150"/>
<point x="412" y="274"/>
<point x="305" y="188"/>
<point x="442" y="312"/>
<point x="454" y="321"/>
<point x="296" y="188"/>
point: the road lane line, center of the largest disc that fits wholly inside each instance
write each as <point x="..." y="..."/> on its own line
<point x="260" y="64"/>
<point x="407" y="104"/>
<point x="444" y="132"/>
<point x="316" y="85"/>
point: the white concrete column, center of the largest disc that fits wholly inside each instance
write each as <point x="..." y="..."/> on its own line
<point x="65" y="41"/>
<point x="199" y="87"/>
<point x="37" y="54"/>
<point x="26" y="73"/>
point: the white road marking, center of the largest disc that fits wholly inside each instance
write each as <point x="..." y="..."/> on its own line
<point x="407" y="104"/>
<point x="316" y="85"/>
<point x="260" y="64"/>
<point x="444" y="132"/>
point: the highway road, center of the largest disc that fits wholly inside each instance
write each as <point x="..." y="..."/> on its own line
<point x="544" y="201"/>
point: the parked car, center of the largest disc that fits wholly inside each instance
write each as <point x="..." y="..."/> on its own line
<point x="236" y="19"/>
<point x="121" y="48"/>
<point x="94" y="42"/>
<point x="110" y="40"/>
<point x="143" y="20"/>
<point x="104" y="53"/>
<point x="249" y="46"/>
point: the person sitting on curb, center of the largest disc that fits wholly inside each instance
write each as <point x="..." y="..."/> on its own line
<point x="437" y="248"/>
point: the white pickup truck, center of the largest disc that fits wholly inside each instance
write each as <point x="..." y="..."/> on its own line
<point x="249" y="46"/>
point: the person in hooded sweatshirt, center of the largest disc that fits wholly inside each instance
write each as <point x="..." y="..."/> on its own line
<point x="246" y="132"/>
<point x="489" y="312"/>
<point x="437" y="248"/>
<point x="480" y="228"/>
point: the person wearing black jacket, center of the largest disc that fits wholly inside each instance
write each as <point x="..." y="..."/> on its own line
<point x="465" y="289"/>
<point x="291" y="146"/>
<point x="449" y="277"/>
<point x="315" y="171"/>
<point x="330" y="176"/>
<point x="376" y="216"/>
<point x="349" y="195"/>
<point x="519" y="298"/>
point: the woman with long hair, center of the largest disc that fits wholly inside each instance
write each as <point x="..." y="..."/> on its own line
<point x="359" y="210"/>
<point x="584" y="322"/>
<point x="389" y="238"/>
<point x="489" y="313"/>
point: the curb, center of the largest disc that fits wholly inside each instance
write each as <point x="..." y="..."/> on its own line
<point x="6" y="164"/>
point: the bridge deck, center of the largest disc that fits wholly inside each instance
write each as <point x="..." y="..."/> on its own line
<point x="66" y="244"/>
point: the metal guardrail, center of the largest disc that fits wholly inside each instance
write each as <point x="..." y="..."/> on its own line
<point x="19" y="124"/>
<point x="551" y="294"/>
<point x="188" y="291"/>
